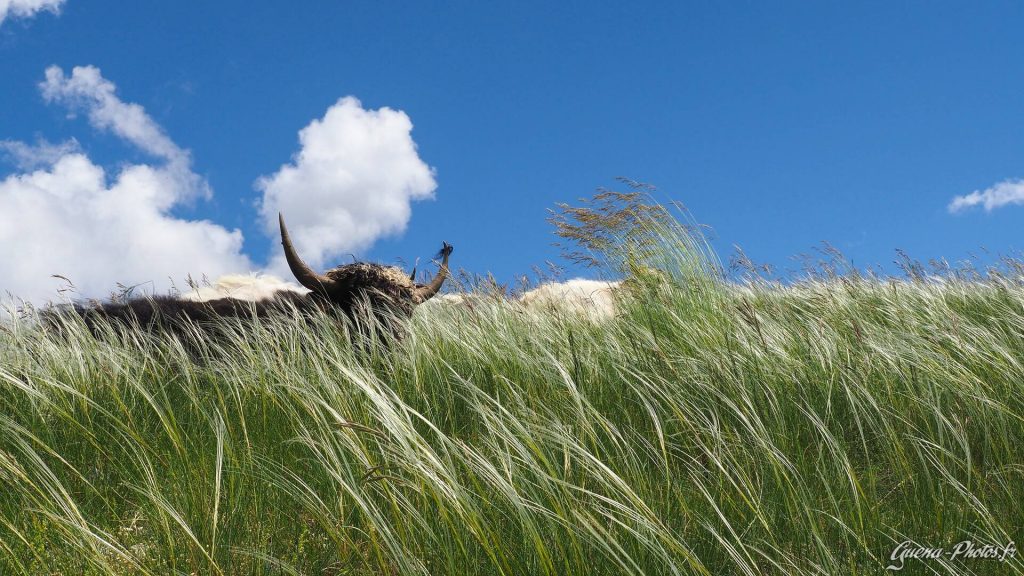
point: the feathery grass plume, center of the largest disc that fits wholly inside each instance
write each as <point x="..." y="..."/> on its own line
<point x="623" y="230"/>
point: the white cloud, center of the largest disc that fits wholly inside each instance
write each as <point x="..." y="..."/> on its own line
<point x="1002" y="194"/>
<point x="69" y="217"/>
<point x="350" y="184"/>
<point x="27" y="8"/>
<point x="31" y="156"/>
<point x="87" y="90"/>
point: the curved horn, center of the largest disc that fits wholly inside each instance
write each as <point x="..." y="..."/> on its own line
<point x="302" y="272"/>
<point x="424" y="293"/>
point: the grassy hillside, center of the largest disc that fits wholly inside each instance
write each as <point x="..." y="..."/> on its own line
<point x="709" y="428"/>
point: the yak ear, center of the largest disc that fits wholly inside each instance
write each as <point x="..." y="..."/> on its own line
<point x="424" y="293"/>
<point x="444" y="252"/>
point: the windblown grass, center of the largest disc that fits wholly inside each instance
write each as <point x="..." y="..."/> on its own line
<point x="710" y="428"/>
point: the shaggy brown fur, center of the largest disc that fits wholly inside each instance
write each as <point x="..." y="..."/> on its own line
<point x="384" y="286"/>
<point x="386" y="290"/>
<point x="353" y="290"/>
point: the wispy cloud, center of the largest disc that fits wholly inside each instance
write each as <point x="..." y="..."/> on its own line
<point x="1002" y="194"/>
<point x="63" y="214"/>
<point x="31" y="156"/>
<point x="27" y="8"/>
<point x="351" y="183"/>
<point x="86" y="90"/>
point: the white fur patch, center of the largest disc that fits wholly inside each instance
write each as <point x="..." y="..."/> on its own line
<point x="448" y="299"/>
<point x="592" y="298"/>
<point x="242" y="287"/>
<point x="595" y="298"/>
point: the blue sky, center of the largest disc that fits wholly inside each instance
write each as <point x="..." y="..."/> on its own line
<point x="779" y="126"/>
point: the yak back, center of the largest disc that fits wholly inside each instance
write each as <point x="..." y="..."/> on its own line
<point x="170" y="312"/>
<point x="384" y="291"/>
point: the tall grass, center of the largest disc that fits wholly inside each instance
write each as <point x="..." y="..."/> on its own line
<point x="709" y="428"/>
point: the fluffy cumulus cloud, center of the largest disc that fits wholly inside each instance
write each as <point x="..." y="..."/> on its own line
<point x="27" y="8"/>
<point x="64" y="214"/>
<point x="1002" y="194"/>
<point x="352" y="182"/>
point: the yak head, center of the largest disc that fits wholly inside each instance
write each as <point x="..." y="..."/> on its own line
<point x="349" y="286"/>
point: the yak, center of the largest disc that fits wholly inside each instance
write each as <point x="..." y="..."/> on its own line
<point x="386" y="292"/>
